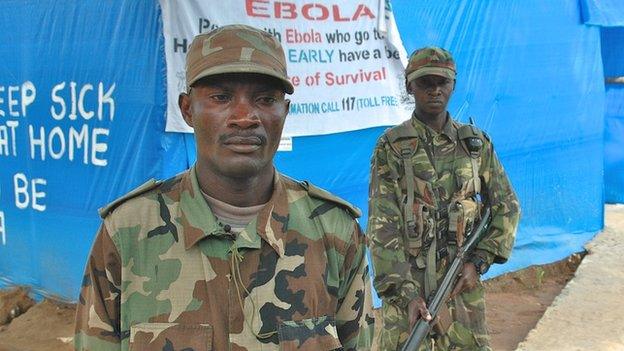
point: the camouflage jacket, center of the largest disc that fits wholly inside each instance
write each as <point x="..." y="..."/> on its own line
<point x="164" y="274"/>
<point x="444" y="181"/>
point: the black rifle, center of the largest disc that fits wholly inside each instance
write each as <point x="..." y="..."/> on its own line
<point x="422" y="327"/>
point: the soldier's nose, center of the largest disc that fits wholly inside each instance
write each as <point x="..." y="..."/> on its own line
<point x="243" y="116"/>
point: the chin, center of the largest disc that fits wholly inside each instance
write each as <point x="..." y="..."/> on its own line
<point x="243" y="169"/>
<point x="435" y="111"/>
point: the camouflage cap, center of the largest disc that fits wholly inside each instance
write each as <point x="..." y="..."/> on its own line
<point x="430" y="60"/>
<point x="236" y="49"/>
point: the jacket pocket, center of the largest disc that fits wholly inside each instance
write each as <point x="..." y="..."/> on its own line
<point x="170" y="336"/>
<point x="315" y="334"/>
<point x="462" y="215"/>
<point x="418" y="230"/>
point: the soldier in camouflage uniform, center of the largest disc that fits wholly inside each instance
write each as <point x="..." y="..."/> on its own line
<point x="231" y="254"/>
<point x="429" y="177"/>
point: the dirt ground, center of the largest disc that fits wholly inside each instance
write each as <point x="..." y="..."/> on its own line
<point x="515" y="303"/>
<point x="587" y="314"/>
<point x="46" y="326"/>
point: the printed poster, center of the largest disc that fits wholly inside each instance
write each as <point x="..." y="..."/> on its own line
<point x="345" y="58"/>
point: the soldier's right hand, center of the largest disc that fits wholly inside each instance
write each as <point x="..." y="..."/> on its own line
<point x="417" y="309"/>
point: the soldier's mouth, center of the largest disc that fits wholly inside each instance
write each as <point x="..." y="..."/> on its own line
<point x="243" y="140"/>
<point x="243" y="144"/>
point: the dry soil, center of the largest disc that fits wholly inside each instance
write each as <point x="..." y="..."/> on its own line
<point x="515" y="303"/>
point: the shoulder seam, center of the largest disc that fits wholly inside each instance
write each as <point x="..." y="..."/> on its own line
<point x="143" y="188"/>
<point x="320" y="193"/>
<point x="400" y="131"/>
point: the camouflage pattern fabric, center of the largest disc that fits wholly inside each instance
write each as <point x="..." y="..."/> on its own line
<point x="164" y="274"/>
<point x="430" y="60"/>
<point x="443" y="177"/>
<point x="236" y="48"/>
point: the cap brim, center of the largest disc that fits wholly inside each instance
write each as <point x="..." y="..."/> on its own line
<point x="243" y="67"/>
<point x="436" y="71"/>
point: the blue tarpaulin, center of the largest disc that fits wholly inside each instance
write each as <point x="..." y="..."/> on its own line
<point x="614" y="144"/>
<point x="94" y="129"/>
<point x="605" y="13"/>
<point x="529" y="72"/>
<point x="613" y="51"/>
<point x="613" y="60"/>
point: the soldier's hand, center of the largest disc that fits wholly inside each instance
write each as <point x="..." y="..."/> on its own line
<point x="467" y="281"/>
<point x="416" y="309"/>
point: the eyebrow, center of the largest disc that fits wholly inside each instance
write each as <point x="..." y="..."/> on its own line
<point x="261" y="88"/>
<point x="428" y="80"/>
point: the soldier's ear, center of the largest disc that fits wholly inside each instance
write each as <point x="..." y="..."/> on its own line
<point x="184" y="102"/>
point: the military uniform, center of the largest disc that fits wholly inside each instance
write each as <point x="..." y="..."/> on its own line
<point x="407" y="240"/>
<point x="164" y="274"/>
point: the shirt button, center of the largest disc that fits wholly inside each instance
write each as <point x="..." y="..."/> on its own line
<point x="227" y="228"/>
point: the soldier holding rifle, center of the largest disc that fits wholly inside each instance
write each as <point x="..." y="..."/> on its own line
<point x="431" y="177"/>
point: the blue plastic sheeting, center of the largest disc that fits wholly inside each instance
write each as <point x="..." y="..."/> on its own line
<point x="606" y="13"/>
<point x="542" y="121"/>
<point x="529" y="72"/>
<point x="531" y="75"/>
<point x="614" y="144"/>
<point x="612" y="51"/>
<point x="47" y="43"/>
<point x="613" y="60"/>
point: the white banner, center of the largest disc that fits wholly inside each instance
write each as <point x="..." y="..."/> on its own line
<point x="345" y="58"/>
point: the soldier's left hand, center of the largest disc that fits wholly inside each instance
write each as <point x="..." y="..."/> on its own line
<point x="467" y="281"/>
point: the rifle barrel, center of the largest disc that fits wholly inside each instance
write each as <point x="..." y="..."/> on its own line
<point x="441" y="295"/>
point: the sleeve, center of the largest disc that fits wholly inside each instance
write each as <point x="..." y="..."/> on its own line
<point x="354" y="318"/>
<point x="393" y="278"/>
<point x="97" y="313"/>
<point x="496" y="246"/>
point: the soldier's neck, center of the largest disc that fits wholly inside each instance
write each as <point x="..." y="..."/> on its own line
<point x="241" y="192"/>
<point x="435" y="122"/>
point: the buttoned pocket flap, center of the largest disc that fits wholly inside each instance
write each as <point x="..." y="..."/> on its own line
<point x="315" y="334"/>
<point x="170" y="336"/>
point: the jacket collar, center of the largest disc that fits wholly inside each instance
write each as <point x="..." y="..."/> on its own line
<point x="448" y="130"/>
<point x="271" y="224"/>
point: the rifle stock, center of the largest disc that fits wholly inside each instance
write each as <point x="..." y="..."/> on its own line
<point x="441" y="295"/>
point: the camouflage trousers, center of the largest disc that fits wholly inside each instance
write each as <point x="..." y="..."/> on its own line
<point x="468" y="330"/>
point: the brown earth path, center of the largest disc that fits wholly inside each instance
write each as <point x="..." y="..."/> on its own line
<point x="588" y="314"/>
<point x="515" y="303"/>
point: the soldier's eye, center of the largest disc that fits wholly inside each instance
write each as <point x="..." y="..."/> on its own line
<point x="267" y="100"/>
<point x="220" y="97"/>
<point x="432" y="83"/>
<point x="425" y="85"/>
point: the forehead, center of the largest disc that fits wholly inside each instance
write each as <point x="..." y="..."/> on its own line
<point x="432" y="78"/>
<point x="248" y="81"/>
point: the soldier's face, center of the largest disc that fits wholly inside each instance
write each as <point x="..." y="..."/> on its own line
<point x="238" y="121"/>
<point x="431" y="93"/>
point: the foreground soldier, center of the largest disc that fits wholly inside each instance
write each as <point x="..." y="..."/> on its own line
<point x="429" y="176"/>
<point x="229" y="255"/>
